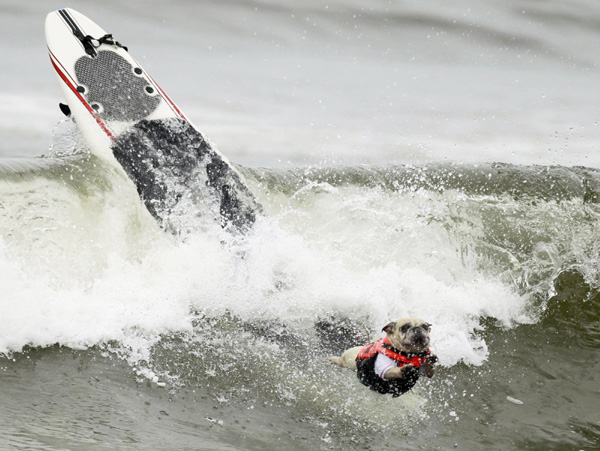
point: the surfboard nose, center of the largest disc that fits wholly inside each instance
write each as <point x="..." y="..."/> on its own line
<point x="50" y="23"/>
<point x="54" y="19"/>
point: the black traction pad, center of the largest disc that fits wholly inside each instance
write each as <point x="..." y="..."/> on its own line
<point x="113" y="89"/>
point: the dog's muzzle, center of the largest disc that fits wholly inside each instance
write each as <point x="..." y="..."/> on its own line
<point x="417" y="336"/>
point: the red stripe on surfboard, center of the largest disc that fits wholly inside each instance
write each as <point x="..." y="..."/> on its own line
<point x="168" y="99"/>
<point x="71" y="86"/>
<point x="52" y="57"/>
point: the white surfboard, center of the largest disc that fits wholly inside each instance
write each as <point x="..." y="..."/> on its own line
<point x="106" y="89"/>
<point x="126" y="117"/>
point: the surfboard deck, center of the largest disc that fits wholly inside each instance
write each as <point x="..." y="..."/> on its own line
<point x="105" y="88"/>
<point x="126" y="117"/>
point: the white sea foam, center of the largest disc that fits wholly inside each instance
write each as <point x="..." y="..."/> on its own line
<point x="97" y="268"/>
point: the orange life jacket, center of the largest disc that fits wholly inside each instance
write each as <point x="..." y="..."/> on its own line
<point x="384" y="346"/>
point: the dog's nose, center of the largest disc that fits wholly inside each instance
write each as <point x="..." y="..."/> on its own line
<point x="417" y="334"/>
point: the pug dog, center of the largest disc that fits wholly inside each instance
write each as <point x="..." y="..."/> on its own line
<point x="393" y="364"/>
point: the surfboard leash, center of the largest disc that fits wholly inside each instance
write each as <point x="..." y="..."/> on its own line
<point x="90" y="44"/>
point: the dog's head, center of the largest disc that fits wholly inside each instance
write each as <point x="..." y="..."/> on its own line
<point x="409" y="335"/>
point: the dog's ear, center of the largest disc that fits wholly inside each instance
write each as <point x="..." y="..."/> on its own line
<point x="389" y="328"/>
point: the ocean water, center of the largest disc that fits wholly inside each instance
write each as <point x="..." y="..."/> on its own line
<point x="413" y="159"/>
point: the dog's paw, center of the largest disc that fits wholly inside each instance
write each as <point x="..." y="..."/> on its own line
<point x="432" y="358"/>
<point x="429" y="365"/>
<point x="408" y="368"/>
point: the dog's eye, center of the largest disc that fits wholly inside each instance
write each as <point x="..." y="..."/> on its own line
<point x="426" y="327"/>
<point x="405" y="328"/>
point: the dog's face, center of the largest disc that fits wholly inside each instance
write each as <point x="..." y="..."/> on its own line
<point x="409" y="335"/>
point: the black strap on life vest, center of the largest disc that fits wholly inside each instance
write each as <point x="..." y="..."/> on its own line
<point x="391" y="348"/>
